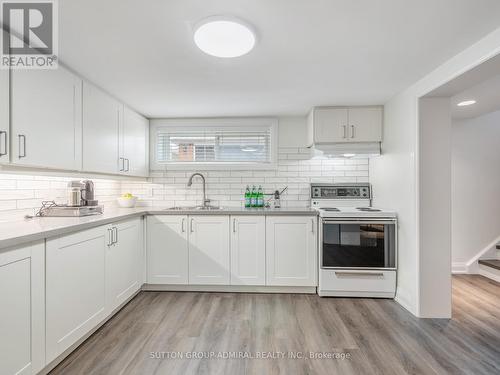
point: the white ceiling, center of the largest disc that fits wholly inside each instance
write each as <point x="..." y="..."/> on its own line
<point x="322" y="52"/>
<point x="486" y="95"/>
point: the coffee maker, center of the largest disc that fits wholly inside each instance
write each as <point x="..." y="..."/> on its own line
<point x="81" y="193"/>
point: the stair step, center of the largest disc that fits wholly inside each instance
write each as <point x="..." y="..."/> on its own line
<point x="493" y="263"/>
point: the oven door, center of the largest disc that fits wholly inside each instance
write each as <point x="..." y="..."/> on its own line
<point x="364" y="244"/>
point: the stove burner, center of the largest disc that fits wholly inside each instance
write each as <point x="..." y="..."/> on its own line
<point x="368" y="209"/>
<point x="331" y="209"/>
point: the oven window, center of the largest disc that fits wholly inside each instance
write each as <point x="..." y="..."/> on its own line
<point x="359" y="245"/>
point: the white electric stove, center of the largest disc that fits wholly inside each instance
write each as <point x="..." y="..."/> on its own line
<point x="357" y="244"/>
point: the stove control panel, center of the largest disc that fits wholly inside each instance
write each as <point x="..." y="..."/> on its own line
<point x="340" y="191"/>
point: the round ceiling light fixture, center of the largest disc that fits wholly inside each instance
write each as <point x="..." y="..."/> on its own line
<point x="465" y="103"/>
<point x="224" y="36"/>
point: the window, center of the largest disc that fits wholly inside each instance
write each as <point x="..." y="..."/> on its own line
<point x="211" y="143"/>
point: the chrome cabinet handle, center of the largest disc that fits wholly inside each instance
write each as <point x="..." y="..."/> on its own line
<point x="114" y="235"/>
<point x="192" y="225"/>
<point x="312" y="225"/>
<point x="128" y="165"/>
<point x="23" y="148"/>
<point x="353" y="134"/>
<point x="344" y="127"/>
<point x="375" y="274"/>
<point x="121" y="161"/>
<point x="4" y="133"/>
<point x="182" y="226"/>
<point x="110" y="236"/>
<point x="234" y="225"/>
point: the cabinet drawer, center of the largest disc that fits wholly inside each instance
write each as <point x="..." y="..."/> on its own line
<point x="366" y="283"/>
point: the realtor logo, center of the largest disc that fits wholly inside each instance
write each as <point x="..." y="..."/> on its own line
<point x="29" y="34"/>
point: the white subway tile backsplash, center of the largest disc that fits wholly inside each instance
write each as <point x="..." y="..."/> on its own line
<point x="23" y="194"/>
<point x="296" y="169"/>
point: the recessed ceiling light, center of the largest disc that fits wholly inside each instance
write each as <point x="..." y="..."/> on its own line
<point x="223" y="36"/>
<point x="466" y="103"/>
<point x="349" y="155"/>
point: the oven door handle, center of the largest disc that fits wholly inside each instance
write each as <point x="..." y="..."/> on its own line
<point x="353" y="274"/>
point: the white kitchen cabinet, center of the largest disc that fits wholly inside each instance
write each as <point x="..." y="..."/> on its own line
<point x="167" y="249"/>
<point x="75" y="287"/>
<point x="328" y="125"/>
<point x="102" y="116"/>
<point x="248" y="250"/>
<point x="291" y="251"/>
<point x="22" y="310"/>
<point x="209" y="250"/>
<point x="365" y="124"/>
<point x="46" y="119"/>
<point x="134" y="133"/>
<point x="124" y="259"/>
<point x="4" y="116"/>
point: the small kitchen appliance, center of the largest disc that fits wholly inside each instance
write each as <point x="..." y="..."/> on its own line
<point x="81" y="202"/>
<point x="357" y="242"/>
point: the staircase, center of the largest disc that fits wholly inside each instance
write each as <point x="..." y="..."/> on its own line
<point x="491" y="267"/>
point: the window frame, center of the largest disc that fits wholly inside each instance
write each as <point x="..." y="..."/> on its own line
<point x="176" y="123"/>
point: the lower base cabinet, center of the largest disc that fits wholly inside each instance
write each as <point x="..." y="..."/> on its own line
<point x="76" y="281"/>
<point x="124" y="262"/>
<point x="291" y="251"/>
<point x="248" y="250"/>
<point x="167" y="249"/>
<point x="245" y="250"/>
<point x="209" y="250"/>
<point x="22" y="312"/>
<point x="89" y="274"/>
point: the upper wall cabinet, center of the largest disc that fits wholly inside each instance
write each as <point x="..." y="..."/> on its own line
<point x="134" y="138"/>
<point x="345" y="124"/>
<point x="46" y="119"/>
<point x="4" y="116"/>
<point x="102" y="115"/>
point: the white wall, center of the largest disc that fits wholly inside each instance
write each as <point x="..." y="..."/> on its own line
<point x="475" y="186"/>
<point x="435" y="207"/>
<point x="395" y="175"/>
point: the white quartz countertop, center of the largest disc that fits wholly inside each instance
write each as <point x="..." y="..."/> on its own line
<point x="14" y="233"/>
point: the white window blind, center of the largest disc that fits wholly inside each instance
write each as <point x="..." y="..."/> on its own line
<point x="221" y="144"/>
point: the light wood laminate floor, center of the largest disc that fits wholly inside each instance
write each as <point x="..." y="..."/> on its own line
<point x="377" y="336"/>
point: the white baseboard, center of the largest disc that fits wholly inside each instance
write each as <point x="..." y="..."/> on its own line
<point x="403" y="298"/>
<point x="229" y="288"/>
<point x="459" y="268"/>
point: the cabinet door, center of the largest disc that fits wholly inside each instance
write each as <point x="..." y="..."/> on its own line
<point x="22" y="311"/>
<point x="123" y="262"/>
<point x="209" y="250"/>
<point x="330" y="125"/>
<point x="101" y="119"/>
<point x="291" y="251"/>
<point x="135" y="130"/>
<point x="4" y="116"/>
<point x="167" y="249"/>
<point x="248" y="250"/>
<point x="46" y="118"/>
<point x="75" y="287"/>
<point x="365" y="124"/>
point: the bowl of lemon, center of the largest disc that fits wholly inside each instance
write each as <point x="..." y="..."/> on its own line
<point x="127" y="200"/>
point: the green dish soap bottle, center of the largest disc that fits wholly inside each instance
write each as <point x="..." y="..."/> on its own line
<point x="248" y="198"/>
<point x="253" y="197"/>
